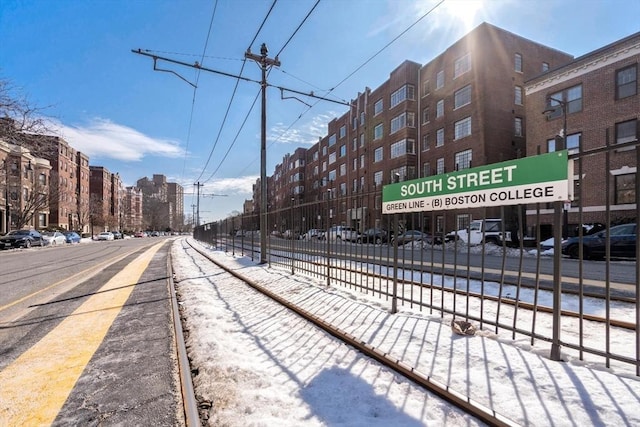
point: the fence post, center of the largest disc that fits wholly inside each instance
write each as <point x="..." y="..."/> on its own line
<point x="557" y="280"/>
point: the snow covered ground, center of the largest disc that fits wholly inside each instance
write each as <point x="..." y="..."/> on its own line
<point x="259" y="365"/>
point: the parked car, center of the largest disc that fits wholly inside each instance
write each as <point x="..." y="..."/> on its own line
<point x="622" y="243"/>
<point x="21" y="239"/>
<point x="374" y="235"/>
<point x="71" y="236"/>
<point x="312" y="233"/>
<point x="54" y="238"/>
<point x="105" y="235"/>
<point x="413" y="236"/>
<point x="291" y="234"/>
<point x="117" y="235"/>
<point x="139" y="234"/>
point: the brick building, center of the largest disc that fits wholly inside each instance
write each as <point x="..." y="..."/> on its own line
<point x="132" y="203"/>
<point x="599" y="93"/>
<point x="464" y="108"/>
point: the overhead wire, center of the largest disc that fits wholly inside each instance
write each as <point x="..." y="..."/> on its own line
<point x="284" y="132"/>
<point x="226" y="115"/>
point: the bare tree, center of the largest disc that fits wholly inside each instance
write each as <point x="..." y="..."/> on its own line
<point x="22" y="123"/>
<point x="35" y="201"/>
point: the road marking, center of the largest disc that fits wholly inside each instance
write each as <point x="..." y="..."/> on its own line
<point x="36" y="384"/>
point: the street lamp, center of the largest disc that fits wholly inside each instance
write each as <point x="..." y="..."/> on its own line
<point x="561" y="144"/>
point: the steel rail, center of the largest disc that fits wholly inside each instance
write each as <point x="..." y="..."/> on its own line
<point x="459" y="400"/>
<point x="189" y="402"/>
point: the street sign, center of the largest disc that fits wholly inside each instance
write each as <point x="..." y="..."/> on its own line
<point x="536" y="179"/>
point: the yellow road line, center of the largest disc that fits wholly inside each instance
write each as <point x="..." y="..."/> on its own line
<point x="35" y="386"/>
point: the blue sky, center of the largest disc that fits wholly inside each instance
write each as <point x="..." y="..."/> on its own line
<point x="74" y="59"/>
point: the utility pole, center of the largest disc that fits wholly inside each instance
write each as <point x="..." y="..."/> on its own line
<point x="198" y="185"/>
<point x="264" y="62"/>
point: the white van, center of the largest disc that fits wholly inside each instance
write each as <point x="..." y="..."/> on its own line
<point x="340" y="232"/>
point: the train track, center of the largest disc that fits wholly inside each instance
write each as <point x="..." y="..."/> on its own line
<point x="457" y="399"/>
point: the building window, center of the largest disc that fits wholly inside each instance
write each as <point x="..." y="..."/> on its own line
<point x="362" y="140"/>
<point x="402" y="174"/>
<point x="403" y="147"/>
<point x="463" y="128"/>
<point x="362" y="160"/>
<point x="440" y="166"/>
<point x="425" y="115"/>
<point x="343" y="169"/>
<point x="571" y="96"/>
<point x="354" y="185"/>
<point x="462" y="65"/>
<point x="332" y="175"/>
<point x="332" y="140"/>
<point x="463" y="159"/>
<point x="354" y="122"/>
<point x="440" y="108"/>
<point x="378" y="155"/>
<point x="354" y="164"/>
<point x="573" y="142"/>
<point x="343" y="150"/>
<point x="518" y="63"/>
<point x="402" y="94"/>
<point x="378" y="131"/>
<point x="42" y="220"/>
<point x="332" y="158"/>
<point x="425" y="142"/>
<point x="377" y="178"/>
<point x="354" y="144"/>
<point x="518" y="95"/>
<point x="440" y="80"/>
<point x="517" y="127"/>
<point x="545" y="67"/>
<point x="402" y="121"/>
<point x="42" y="179"/>
<point x="462" y="97"/>
<point x="362" y="118"/>
<point x="627" y="131"/>
<point x="343" y="131"/>
<point x="440" y="137"/>
<point x="377" y="107"/>
<point x="625" y="189"/>
<point x="426" y="169"/>
<point x="315" y="156"/>
<point x="627" y="82"/>
<point x="426" y="88"/>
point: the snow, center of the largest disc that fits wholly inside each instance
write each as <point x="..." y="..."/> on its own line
<point x="260" y="365"/>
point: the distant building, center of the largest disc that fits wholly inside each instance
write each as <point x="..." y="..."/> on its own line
<point x="132" y="202"/>
<point x="163" y="203"/>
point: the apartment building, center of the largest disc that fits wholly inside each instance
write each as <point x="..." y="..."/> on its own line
<point x="100" y="191"/>
<point x="594" y="101"/>
<point x="132" y="203"/>
<point x="24" y="187"/>
<point x="465" y="108"/>
<point x="163" y="203"/>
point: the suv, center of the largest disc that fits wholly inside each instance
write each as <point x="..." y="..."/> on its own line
<point x="489" y="229"/>
<point x="339" y="232"/>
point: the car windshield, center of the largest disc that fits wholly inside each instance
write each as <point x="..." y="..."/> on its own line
<point x="19" y="233"/>
<point x="48" y="233"/>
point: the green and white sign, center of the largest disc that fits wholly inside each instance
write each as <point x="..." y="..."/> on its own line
<point x="537" y="179"/>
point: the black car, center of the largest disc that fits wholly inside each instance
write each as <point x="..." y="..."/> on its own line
<point x="374" y="235"/>
<point x="21" y="239"/>
<point x="413" y="236"/>
<point x="622" y="243"/>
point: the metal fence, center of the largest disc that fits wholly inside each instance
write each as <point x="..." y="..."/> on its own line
<point x="578" y="308"/>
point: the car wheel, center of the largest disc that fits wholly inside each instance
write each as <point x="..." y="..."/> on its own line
<point x="378" y="240"/>
<point x="574" y="252"/>
<point x="27" y="243"/>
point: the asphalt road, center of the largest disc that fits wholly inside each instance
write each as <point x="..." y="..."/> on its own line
<point x="86" y="336"/>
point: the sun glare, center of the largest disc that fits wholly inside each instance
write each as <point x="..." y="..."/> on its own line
<point x="464" y="11"/>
